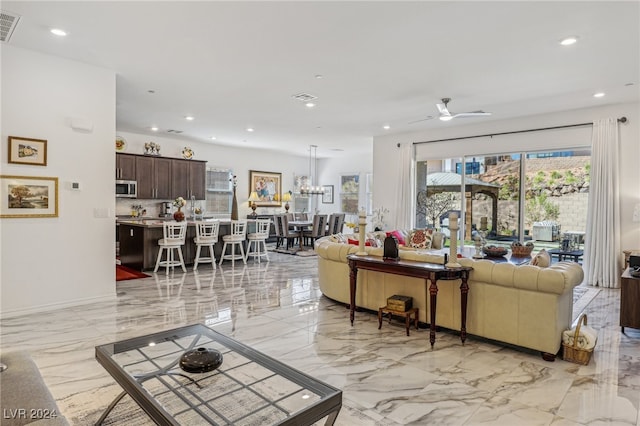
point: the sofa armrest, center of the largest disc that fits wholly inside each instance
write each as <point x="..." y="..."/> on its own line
<point x="25" y="398"/>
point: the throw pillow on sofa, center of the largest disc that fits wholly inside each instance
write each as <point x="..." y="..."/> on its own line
<point x="368" y="243"/>
<point x="421" y="238"/>
<point x="542" y="259"/>
<point x="398" y="236"/>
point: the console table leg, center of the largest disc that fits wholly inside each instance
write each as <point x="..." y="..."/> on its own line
<point x="464" y="291"/>
<point x="433" y="294"/>
<point x="353" y="277"/>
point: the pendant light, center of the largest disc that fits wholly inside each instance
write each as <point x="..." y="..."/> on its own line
<point x="309" y="189"/>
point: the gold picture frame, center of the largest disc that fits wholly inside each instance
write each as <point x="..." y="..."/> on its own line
<point x="28" y="196"/>
<point x="268" y="186"/>
<point x="27" y="151"/>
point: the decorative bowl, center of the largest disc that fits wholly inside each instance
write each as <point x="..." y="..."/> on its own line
<point x="493" y="251"/>
<point x="519" y="250"/>
<point x="200" y="360"/>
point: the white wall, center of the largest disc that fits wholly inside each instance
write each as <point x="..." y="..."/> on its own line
<point x="385" y="153"/>
<point x="66" y="260"/>
<point x="329" y="172"/>
<point x="240" y="160"/>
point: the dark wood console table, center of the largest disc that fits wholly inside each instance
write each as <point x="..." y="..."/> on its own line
<point x="430" y="272"/>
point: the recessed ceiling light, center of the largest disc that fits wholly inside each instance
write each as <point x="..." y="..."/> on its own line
<point x="629" y="84"/>
<point x="568" y="41"/>
<point x="154" y="129"/>
<point x="598" y="95"/>
<point x="151" y="91"/>
<point x="58" y="32"/>
<point x="189" y="117"/>
<point x="310" y="104"/>
<point x="386" y="127"/>
<point x="249" y="129"/>
<point x="318" y="76"/>
<point x="213" y="138"/>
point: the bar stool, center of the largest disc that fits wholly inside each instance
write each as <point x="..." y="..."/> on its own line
<point x="206" y="236"/>
<point x="173" y="239"/>
<point x="236" y="238"/>
<point x="259" y="240"/>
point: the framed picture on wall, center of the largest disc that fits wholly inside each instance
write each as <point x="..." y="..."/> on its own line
<point x="27" y="151"/>
<point x="327" y="195"/>
<point x="28" y="196"/>
<point x="268" y="186"/>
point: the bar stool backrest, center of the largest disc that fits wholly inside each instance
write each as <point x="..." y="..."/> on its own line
<point x="174" y="231"/>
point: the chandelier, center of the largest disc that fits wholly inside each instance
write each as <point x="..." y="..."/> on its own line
<point x="309" y="189"/>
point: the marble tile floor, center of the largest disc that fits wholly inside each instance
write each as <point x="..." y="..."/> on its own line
<point x="387" y="378"/>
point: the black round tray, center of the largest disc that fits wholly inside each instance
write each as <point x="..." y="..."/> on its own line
<point x="200" y="360"/>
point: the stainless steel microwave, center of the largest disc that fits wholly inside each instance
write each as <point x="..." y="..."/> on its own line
<point x="126" y="189"/>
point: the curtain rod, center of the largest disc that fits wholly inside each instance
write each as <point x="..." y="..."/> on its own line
<point x="620" y="120"/>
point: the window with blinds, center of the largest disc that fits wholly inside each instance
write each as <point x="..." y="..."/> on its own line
<point x="219" y="191"/>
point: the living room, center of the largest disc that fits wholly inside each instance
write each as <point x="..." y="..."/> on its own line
<point x="58" y="263"/>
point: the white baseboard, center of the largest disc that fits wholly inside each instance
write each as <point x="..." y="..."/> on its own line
<point x="54" y="306"/>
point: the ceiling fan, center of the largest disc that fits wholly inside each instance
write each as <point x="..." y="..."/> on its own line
<point x="446" y="115"/>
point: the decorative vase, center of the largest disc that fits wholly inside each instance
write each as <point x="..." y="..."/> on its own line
<point x="178" y="216"/>
<point x="234" y="206"/>
<point x="200" y="360"/>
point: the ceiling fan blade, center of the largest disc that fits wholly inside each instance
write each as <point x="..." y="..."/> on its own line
<point x="422" y="119"/>
<point x="471" y="114"/>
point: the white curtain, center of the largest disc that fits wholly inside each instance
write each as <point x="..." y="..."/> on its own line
<point x="602" y="240"/>
<point x="404" y="191"/>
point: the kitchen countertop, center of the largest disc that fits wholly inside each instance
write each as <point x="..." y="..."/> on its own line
<point x="150" y="222"/>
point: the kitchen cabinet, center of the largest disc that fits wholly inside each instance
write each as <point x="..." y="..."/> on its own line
<point x="188" y="178"/>
<point x="154" y="177"/>
<point x="125" y="167"/>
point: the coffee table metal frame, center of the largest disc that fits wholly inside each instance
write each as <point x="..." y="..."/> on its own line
<point x="326" y="401"/>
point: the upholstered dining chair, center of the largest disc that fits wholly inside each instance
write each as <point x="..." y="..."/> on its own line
<point x="206" y="237"/>
<point x="317" y="230"/>
<point x="287" y="234"/>
<point x="258" y="240"/>
<point x="235" y="239"/>
<point x="173" y="234"/>
<point x="277" y="226"/>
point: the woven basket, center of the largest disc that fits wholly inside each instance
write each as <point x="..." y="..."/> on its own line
<point x="521" y="251"/>
<point x="573" y="353"/>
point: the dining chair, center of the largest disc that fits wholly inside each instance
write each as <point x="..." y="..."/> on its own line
<point x="259" y="240"/>
<point x="236" y="239"/>
<point x="277" y="226"/>
<point x="207" y="237"/>
<point x="287" y="234"/>
<point x="173" y="234"/>
<point x="317" y="230"/>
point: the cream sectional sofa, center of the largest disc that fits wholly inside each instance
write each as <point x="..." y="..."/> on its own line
<point x="526" y="306"/>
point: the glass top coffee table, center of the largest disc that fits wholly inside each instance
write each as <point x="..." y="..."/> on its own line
<point x="249" y="388"/>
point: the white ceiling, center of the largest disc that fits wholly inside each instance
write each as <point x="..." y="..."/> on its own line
<point x="235" y="65"/>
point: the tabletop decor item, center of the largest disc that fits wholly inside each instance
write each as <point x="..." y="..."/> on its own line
<point x="200" y="360"/>
<point x="27" y="151"/>
<point x="121" y="144"/>
<point x="521" y="250"/>
<point x="494" y="251"/>
<point x="234" y="201"/>
<point x="453" y="244"/>
<point x="151" y="148"/>
<point x="187" y="153"/>
<point x="179" y="203"/>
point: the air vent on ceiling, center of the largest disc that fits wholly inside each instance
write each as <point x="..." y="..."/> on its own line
<point x="304" y="97"/>
<point x="8" y="23"/>
<point x="174" y="131"/>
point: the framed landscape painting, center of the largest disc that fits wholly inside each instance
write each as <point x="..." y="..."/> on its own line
<point x="268" y="187"/>
<point x="27" y="151"/>
<point x="28" y="196"/>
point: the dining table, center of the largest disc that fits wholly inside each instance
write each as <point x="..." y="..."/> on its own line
<point x="300" y="226"/>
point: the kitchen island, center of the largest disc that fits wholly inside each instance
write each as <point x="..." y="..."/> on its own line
<point x="139" y="242"/>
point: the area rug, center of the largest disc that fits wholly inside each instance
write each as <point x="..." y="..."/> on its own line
<point x="582" y="297"/>
<point x="296" y="252"/>
<point x="123" y="273"/>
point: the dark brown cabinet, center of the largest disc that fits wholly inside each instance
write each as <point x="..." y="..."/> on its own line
<point x="629" y="301"/>
<point x="189" y="178"/>
<point x="154" y="177"/>
<point x="125" y="167"/>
